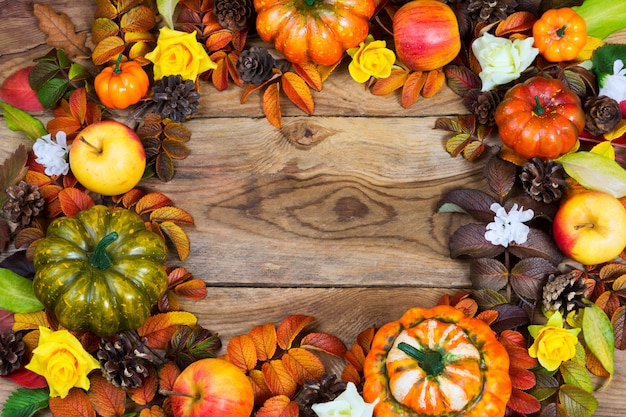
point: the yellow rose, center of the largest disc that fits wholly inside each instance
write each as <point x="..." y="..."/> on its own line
<point x="553" y="343"/>
<point x="371" y="59"/>
<point x="179" y="53"/>
<point x="61" y="359"/>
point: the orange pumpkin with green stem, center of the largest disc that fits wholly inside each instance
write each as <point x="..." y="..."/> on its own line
<point x="319" y="31"/>
<point x="437" y="362"/>
<point x="122" y="84"/>
<point x="560" y="34"/>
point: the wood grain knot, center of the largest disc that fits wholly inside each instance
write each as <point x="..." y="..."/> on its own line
<point x="349" y="208"/>
<point x="304" y="134"/>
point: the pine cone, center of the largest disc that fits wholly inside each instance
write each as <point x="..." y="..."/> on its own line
<point x="543" y="180"/>
<point x="175" y="98"/>
<point x="313" y="392"/>
<point x="565" y="292"/>
<point x="483" y="105"/>
<point x="24" y="201"/>
<point x="602" y="115"/>
<point x="490" y="11"/>
<point x="123" y="362"/>
<point x="234" y="14"/>
<point x="11" y="352"/>
<point x="255" y="65"/>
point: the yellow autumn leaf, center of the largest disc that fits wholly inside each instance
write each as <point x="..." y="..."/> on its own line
<point x="605" y="149"/>
<point x="618" y="132"/>
<point x="30" y="321"/>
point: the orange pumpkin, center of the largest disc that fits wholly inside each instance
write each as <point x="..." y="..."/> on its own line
<point x="437" y="362"/>
<point x="313" y="30"/>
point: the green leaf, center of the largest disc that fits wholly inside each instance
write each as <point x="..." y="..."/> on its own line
<point x="599" y="336"/>
<point x="577" y="401"/>
<point x="20" y="121"/>
<point x="603" y="59"/>
<point x="52" y="91"/>
<point x="595" y="172"/>
<point x="78" y="72"/>
<point x="25" y="402"/>
<point x="576" y="374"/>
<point x="17" y="293"/>
<point x="42" y="73"/>
<point x="166" y="10"/>
<point x="603" y="17"/>
<point x="545" y="387"/>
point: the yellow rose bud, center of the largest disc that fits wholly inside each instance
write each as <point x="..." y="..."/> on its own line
<point x="61" y="359"/>
<point x="179" y="53"/>
<point x="553" y="343"/>
<point x="370" y="59"/>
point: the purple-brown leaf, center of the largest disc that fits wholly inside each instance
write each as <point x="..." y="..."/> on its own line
<point x="500" y="176"/>
<point x="470" y="240"/>
<point x="461" y="79"/>
<point x="488" y="273"/>
<point x="529" y="275"/>
<point x="539" y="244"/>
<point x="474" y="202"/>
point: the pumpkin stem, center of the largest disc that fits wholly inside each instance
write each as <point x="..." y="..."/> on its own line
<point x="538" y="107"/>
<point x="309" y="2"/>
<point x="117" y="69"/>
<point x="560" y="32"/>
<point x="429" y="360"/>
<point x="99" y="258"/>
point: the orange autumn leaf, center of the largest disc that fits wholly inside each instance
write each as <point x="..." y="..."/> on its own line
<point x="171" y="214"/>
<point x="132" y="197"/>
<point x="264" y="338"/>
<point x="517" y="22"/>
<point x="145" y="393"/>
<point x="219" y="75"/>
<point x="303" y="365"/>
<point x="278" y="406"/>
<point x="154" y="411"/>
<point x="218" y="40"/>
<point x="194" y="289"/>
<point x="412" y="88"/>
<point x="50" y="192"/>
<point x="309" y="73"/>
<point x="435" y="80"/>
<point x="150" y="202"/>
<point x="178" y="276"/>
<point x="298" y="92"/>
<point x="279" y="380"/>
<point x="241" y="352"/>
<point x="385" y="86"/>
<point x="289" y="328"/>
<point x="326" y="70"/>
<point x="364" y="339"/>
<point x="75" y="404"/>
<point x="488" y="316"/>
<point x="159" y="328"/>
<point x="30" y="321"/>
<point x="107" y="399"/>
<point x="38" y="178"/>
<point x="468" y="306"/>
<point x="271" y="105"/>
<point x="231" y="64"/>
<point x="167" y="376"/>
<point x="350" y="374"/>
<point x="259" y="386"/>
<point x="324" y="342"/>
<point x="74" y="201"/>
<point x="178" y="236"/>
<point x="356" y="357"/>
<point x="594" y="365"/>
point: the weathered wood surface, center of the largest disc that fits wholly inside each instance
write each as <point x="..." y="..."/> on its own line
<point x="332" y="216"/>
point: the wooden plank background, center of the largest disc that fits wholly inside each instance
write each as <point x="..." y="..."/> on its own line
<point x="331" y="216"/>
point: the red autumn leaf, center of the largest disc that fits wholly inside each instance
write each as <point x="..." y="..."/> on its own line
<point x="73" y="201"/>
<point x="218" y="40"/>
<point x="27" y="379"/>
<point x="264" y="338"/>
<point x="159" y="328"/>
<point x="435" y="81"/>
<point x="241" y="352"/>
<point x="289" y="328"/>
<point x="150" y="202"/>
<point x="194" y="289"/>
<point x="298" y="92"/>
<point x="146" y="392"/>
<point x="303" y="365"/>
<point x="279" y="406"/>
<point x="364" y="339"/>
<point x="309" y="73"/>
<point x="324" y="342"/>
<point x="132" y="197"/>
<point x="520" y="356"/>
<point x="28" y="236"/>
<point x="412" y="88"/>
<point x="356" y="357"/>
<point x="521" y="378"/>
<point x="107" y="399"/>
<point x="351" y="374"/>
<point x="279" y="380"/>
<point x="488" y="316"/>
<point x="75" y="404"/>
<point x="50" y="192"/>
<point x="78" y="104"/>
<point x="512" y="338"/>
<point x="219" y="75"/>
<point x="259" y="386"/>
<point x="171" y="214"/>
<point x="17" y="92"/>
<point x="271" y="105"/>
<point x="167" y="376"/>
<point x="154" y="411"/>
<point x="517" y="22"/>
<point x="178" y="236"/>
<point x="177" y="276"/>
<point x="384" y="86"/>
<point x="523" y="402"/>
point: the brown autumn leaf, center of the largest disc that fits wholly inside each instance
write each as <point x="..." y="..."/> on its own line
<point x="289" y="328"/>
<point x="303" y="365"/>
<point x="150" y="202"/>
<point x="193" y="289"/>
<point x="385" y="86"/>
<point x="271" y="105"/>
<point x="264" y="338"/>
<point x="159" y="328"/>
<point x="154" y="411"/>
<point x="27" y="236"/>
<point x="241" y="352"/>
<point x="74" y="201"/>
<point x="517" y="22"/>
<point x="167" y="376"/>
<point x="324" y="342"/>
<point x="60" y="31"/>
<point x="132" y="197"/>
<point x="609" y="302"/>
<point x="171" y="214"/>
<point x="102" y="28"/>
<point x="75" y="404"/>
<point x="350" y="374"/>
<point x="298" y="92"/>
<point x="279" y="380"/>
<point x="107" y="399"/>
<point x="259" y="386"/>
<point x="435" y="80"/>
<point x="146" y="392"/>
<point x="138" y="19"/>
<point x="310" y="74"/>
<point x="412" y="88"/>
<point x="218" y="40"/>
<point x="618" y="320"/>
<point x="178" y="236"/>
<point x="355" y="357"/>
<point x="278" y="406"/>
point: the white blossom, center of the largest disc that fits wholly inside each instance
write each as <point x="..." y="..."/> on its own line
<point x="348" y="404"/>
<point x="614" y="86"/>
<point x="508" y="227"/>
<point x="53" y="154"/>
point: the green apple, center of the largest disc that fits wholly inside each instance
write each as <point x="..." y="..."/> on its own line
<point x="108" y="158"/>
<point x="590" y="227"/>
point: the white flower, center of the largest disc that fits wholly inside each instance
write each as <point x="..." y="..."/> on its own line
<point x="508" y="227"/>
<point x="614" y="86"/>
<point x="348" y="404"/>
<point x="52" y="155"/>
<point x="502" y="60"/>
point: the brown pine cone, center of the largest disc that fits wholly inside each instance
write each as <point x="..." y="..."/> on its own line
<point x="543" y="180"/>
<point x="24" y="201"/>
<point x="602" y="115"/>
<point x="255" y="65"/>
<point x="565" y="292"/>
<point x="11" y="352"/>
<point x="490" y="11"/>
<point x="123" y="362"/>
<point x="483" y="105"/>
<point x="234" y="14"/>
<point x="313" y="392"/>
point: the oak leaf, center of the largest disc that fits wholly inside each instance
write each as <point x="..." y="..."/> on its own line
<point x="289" y="328"/>
<point x="279" y="380"/>
<point x="324" y="342"/>
<point x="298" y="92"/>
<point x="75" y="404"/>
<point x="107" y="399"/>
<point x="241" y="352"/>
<point x="264" y="338"/>
<point x="60" y="31"/>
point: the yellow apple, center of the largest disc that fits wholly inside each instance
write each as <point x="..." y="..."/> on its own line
<point x="590" y="227"/>
<point x="108" y="158"/>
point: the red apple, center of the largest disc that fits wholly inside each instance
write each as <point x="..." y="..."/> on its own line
<point x="426" y="35"/>
<point x="212" y="388"/>
<point x="590" y="227"/>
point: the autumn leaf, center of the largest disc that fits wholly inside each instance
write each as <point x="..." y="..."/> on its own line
<point x="241" y="352"/>
<point x="75" y="404"/>
<point x="107" y="399"/>
<point x="310" y="74"/>
<point x="150" y="202"/>
<point x="159" y="328"/>
<point x="618" y="320"/>
<point x="350" y="374"/>
<point x="515" y="23"/>
<point x="193" y="289"/>
<point x="356" y="357"/>
<point x="324" y="342"/>
<point x="279" y="380"/>
<point x="412" y="88"/>
<point x="132" y="197"/>
<point x="167" y="376"/>
<point x="17" y="91"/>
<point x="289" y="328"/>
<point x="434" y="82"/>
<point x="279" y="406"/>
<point x="30" y="321"/>
<point x="219" y="75"/>
<point x="523" y="402"/>
<point x="171" y="214"/>
<point x="396" y="80"/>
<point x="521" y="378"/>
<point x="12" y="170"/>
<point x="264" y="338"/>
<point x="298" y="92"/>
<point x="365" y="338"/>
<point x="60" y="31"/>
<point x="154" y="411"/>
<point x="178" y="237"/>
<point x="271" y="105"/>
<point x="74" y="201"/>
<point x="303" y="365"/>
<point x="259" y="386"/>
<point x="145" y="393"/>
